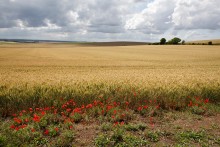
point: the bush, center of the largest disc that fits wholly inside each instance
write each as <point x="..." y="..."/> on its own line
<point x="183" y="42"/>
<point x="210" y="43"/>
<point x="156" y="43"/>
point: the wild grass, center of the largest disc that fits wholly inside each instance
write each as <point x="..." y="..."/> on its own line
<point x="13" y="99"/>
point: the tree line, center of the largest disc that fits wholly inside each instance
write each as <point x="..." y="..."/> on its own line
<point x="175" y="40"/>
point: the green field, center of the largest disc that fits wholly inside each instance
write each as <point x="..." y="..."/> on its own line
<point x="152" y="86"/>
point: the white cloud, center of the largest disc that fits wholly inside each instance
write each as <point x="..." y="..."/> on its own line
<point x="196" y="14"/>
<point x="20" y="23"/>
<point x="138" y="20"/>
<point x="153" y="19"/>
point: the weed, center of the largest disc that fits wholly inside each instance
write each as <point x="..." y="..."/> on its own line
<point x="106" y="127"/>
<point x="152" y="136"/>
<point x="102" y="140"/>
<point x="2" y="140"/>
<point x="132" y="127"/>
<point x="186" y="137"/>
<point x="197" y="110"/>
<point x="142" y="126"/>
<point x="119" y="138"/>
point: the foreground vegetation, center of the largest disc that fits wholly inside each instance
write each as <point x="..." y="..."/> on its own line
<point x="111" y="121"/>
<point x="64" y="94"/>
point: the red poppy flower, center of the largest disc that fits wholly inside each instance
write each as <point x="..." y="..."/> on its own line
<point x="32" y="130"/>
<point x="115" y="111"/>
<point x="116" y="123"/>
<point x="55" y="111"/>
<point x="89" y="106"/>
<point x="46" y="132"/>
<point x="190" y="104"/>
<point x="135" y="94"/>
<point x="68" y="110"/>
<point x="12" y="127"/>
<point x="26" y="120"/>
<point x="206" y="101"/>
<point x="78" y="110"/>
<point x="56" y="129"/>
<point x="140" y="108"/>
<point x="64" y="106"/>
<point x="23" y="126"/>
<point x="152" y="125"/>
<point x="43" y="113"/>
<point x="145" y="107"/>
<point x="103" y="112"/>
<point x="122" y="123"/>
<point x="36" y="118"/>
<point x="109" y="107"/>
<point x="63" y="114"/>
<point x="14" y="115"/>
<point x="95" y="102"/>
<point x="47" y="108"/>
<point x="17" y="120"/>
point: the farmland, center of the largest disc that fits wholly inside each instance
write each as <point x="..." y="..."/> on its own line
<point x="90" y="95"/>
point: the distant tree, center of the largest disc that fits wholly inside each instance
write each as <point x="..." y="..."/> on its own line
<point x="175" y="40"/>
<point x="210" y="43"/>
<point x="183" y="42"/>
<point x="162" y="41"/>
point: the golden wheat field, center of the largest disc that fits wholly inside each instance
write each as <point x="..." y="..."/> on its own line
<point x="54" y="63"/>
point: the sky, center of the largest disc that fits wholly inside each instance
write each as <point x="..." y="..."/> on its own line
<point x="110" y="20"/>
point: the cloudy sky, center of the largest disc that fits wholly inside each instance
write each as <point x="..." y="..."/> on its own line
<point x="109" y="20"/>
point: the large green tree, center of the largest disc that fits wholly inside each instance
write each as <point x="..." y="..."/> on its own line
<point x="162" y="41"/>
